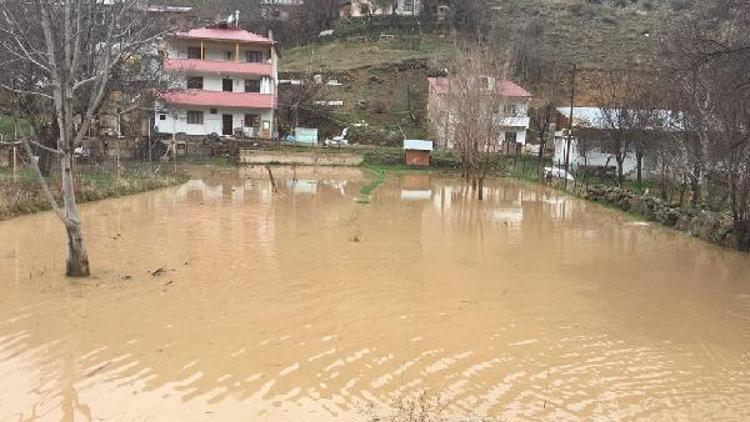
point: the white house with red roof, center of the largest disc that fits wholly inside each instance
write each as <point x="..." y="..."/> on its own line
<point x="514" y="115"/>
<point x="225" y="81"/>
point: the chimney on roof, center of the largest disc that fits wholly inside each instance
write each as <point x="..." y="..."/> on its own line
<point x="270" y="34"/>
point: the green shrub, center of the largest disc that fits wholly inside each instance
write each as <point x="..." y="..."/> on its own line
<point x="369" y="135"/>
<point x="384" y="157"/>
<point x="445" y="159"/>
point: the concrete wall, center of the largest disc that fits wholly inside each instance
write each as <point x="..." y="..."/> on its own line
<point x="253" y="157"/>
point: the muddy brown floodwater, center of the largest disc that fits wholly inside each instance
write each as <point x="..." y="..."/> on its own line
<point x="307" y="306"/>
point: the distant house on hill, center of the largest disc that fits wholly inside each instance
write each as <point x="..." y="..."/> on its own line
<point x="514" y="114"/>
<point x="359" y="8"/>
<point x="279" y="10"/>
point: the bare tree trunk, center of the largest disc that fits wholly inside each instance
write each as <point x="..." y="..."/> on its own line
<point x="639" y="169"/>
<point x="540" y="157"/>
<point x="480" y="187"/>
<point x="695" y="186"/>
<point x="77" y="264"/>
<point x="620" y="161"/>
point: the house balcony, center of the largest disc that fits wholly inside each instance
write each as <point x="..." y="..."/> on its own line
<point x="220" y="99"/>
<point x="218" y="68"/>
<point x="514" y="121"/>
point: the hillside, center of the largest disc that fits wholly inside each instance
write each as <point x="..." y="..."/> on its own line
<point x="597" y="35"/>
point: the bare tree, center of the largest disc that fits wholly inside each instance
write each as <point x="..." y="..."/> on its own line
<point x="705" y="62"/>
<point x="616" y="102"/>
<point x="298" y="106"/>
<point x="473" y="17"/>
<point x="73" y="48"/>
<point x="473" y="104"/>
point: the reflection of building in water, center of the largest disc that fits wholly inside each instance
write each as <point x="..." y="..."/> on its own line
<point x="309" y="187"/>
<point x="508" y="215"/>
<point x="198" y="190"/>
<point x="416" y="187"/>
<point x="337" y="185"/>
<point x="509" y="203"/>
<point x="201" y="191"/>
<point x="555" y="205"/>
<point x="416" y="195"/>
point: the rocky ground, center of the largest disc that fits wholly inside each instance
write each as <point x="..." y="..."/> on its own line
<point x="713" y="226"/>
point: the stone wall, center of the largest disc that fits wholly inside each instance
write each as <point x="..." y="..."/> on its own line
<point x="254" y="157"/>
<point x="712" y="226"/>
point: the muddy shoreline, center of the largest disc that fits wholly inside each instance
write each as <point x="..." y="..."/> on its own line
<point x="23" y="195"/>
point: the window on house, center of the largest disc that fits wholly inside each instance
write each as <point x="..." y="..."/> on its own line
<point x="214" y="111"/>
<point x="251" y="120"/>
<point x="254" y="56"/>
<point x="194" y="53"/>
<point x="510" y="137"/>
<point x="195" y="117"/>
<point x="510" y="109"/>
<point x="228" y="55"/>
<point x="227" y="85"/>
<point x="162" y="117"/>
<point x="195" y="82"/>
<point x="409" y="5"/>
<point x="487" y="82"/>
<point x="252" y="85"/>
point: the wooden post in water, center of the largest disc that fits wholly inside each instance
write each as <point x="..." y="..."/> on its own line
<point x="270" y="176"/>
<point x="15" y="167"/>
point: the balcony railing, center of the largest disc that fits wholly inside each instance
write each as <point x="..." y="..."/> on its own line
<point x="218" y="68"/>
<point x="220" y="99"/>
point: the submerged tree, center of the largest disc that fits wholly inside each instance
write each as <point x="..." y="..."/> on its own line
<point x="71" y="50"/>
<point x="473" y="102"/>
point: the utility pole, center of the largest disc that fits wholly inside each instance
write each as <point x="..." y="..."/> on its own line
<point x="570" y="122"/>
<point x="16" y="112"/>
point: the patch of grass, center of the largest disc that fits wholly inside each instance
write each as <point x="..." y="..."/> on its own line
<point x="365" y="194"/>
<point x="7" y="126"/>
<point x="23" y="194"/>
<point x="208" y="161"/>
<point x="526" y="167"/>
<point x="349" y="54"/>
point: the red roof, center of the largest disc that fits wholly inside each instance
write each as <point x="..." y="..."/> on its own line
<point x="441" y="86"/>
<point x="220" y="99"/>
<point x="219" y="33"/>
<point x="204" y="66"/>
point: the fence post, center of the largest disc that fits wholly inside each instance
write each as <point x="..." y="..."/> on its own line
<point x="15" y="171"/>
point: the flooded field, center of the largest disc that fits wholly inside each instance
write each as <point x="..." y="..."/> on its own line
<point x="219" y="300"/>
